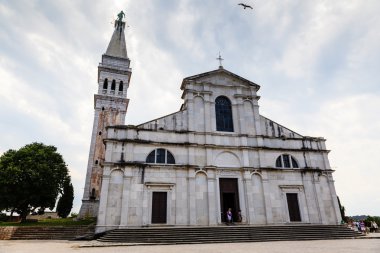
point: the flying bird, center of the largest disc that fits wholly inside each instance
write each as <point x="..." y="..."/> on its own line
<point x="246" y="6"/>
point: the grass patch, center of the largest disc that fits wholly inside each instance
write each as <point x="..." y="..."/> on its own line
<point x="51" y="222"/>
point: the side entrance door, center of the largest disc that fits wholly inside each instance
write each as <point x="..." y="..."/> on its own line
<point x="159" y="207"/>
<point x="293" y="206"/>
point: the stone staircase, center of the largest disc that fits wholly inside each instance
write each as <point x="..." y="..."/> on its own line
<point x="228" y="234"/>
<point x="53" y="233"/>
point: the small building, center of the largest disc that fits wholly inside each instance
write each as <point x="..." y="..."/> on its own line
<point x="189" y="167"/>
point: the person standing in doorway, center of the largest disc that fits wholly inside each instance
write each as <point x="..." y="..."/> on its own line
<point x="229" y="216"/>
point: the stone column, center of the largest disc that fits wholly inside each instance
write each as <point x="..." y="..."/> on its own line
<point x="191" y="194"/>
<point x="212" y="213"/>
<point x="309" y="199"/>
<point x="257" y="118"/>
<point x="240" y="116"/>
<point x="235" y="117"/>
<point x="249" y="200"/>
<point x="101" y="221"/>
<point x="242" y="196"/>
<point x="171" y="213"/>
<point x="320" y="204"/>
<point x="218" y="208"/>
<point x="146" y="210"/>
<point x="245" y="155"/>
<point x="125" y="200"/>
<point x="208" y="117"/>
<point x="190" y="110"/>
<point x="267" y="198"/>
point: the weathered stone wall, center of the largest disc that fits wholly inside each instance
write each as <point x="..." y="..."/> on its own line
<point x="7" y="232"/>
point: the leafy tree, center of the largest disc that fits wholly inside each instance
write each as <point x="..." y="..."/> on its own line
<point x="31" y="178"/>
<point x="373" y="218"/>
<point x="65" y="202"/>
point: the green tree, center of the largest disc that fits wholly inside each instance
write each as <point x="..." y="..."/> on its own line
<point x="342" y="211"/>
<point x="65" y="202"/>
<point x="31" y="178"/>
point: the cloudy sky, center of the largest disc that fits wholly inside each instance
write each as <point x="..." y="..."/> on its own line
<point x="318" y="64"/>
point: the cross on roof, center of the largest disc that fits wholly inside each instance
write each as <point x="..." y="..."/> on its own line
<point x="220" y="59"/>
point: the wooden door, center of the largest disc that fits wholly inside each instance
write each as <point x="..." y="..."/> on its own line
<point x="293" y="206"/>
<point x="159" y="207"/>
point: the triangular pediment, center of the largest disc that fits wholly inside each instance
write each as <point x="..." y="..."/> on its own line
<point x="220" y="76"/>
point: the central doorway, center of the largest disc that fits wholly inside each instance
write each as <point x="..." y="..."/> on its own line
<point x="229" y="197"/>
<point x="159" y="207"/>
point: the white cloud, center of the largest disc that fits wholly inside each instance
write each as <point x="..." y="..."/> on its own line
<point x="350" y="125"/>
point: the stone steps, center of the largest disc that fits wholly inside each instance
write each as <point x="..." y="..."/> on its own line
<point x="220" y="234"/>
<point x="52" y="233"/>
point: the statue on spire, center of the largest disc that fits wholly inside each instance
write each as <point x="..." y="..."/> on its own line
<point x="120" y="16"/>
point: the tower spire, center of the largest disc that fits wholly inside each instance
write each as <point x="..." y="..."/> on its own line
<point x="117" y="46"/>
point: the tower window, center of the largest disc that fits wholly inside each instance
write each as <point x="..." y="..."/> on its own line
<point x="160" y="155"/>
<point x="105" y="84"/>
<point x="113" y="85"/>
<point x="100" y="133"/>
<point x="121" y="86"/>
<point x="286" y="161"/>
<point x="223" y="113"/>
<point x="93" y="192"/>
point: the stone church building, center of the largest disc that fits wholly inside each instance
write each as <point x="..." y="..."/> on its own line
<point x="189" y="167"/>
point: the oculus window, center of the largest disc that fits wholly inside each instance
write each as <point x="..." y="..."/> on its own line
<point x="286" y="161"/>
<point x="223" y="114"/>
<point x="160" y="155"/>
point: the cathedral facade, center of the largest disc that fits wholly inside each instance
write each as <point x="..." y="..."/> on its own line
<point x="189" y="167"/>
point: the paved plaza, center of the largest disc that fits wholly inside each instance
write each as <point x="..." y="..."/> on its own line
<point x="325" y="246"/>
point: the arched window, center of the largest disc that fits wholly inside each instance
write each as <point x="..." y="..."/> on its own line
<point x="105" y="84"/>
<point x="160" y="155"/>
<point x="121" y="86"/>
<point x="223" y="114"/>
<point x="286" y="161"/>
<point x="113" y="85"/>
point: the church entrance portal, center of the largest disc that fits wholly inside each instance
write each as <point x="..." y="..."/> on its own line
<point x="293" y="207"/>
<point x="159" y="206"/>
<point x="229" y="197"/>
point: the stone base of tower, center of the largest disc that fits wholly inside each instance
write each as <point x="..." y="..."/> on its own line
<point x="89" y="208"/>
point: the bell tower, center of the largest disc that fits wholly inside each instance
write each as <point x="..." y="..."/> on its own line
<point x="110" y="105"/>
